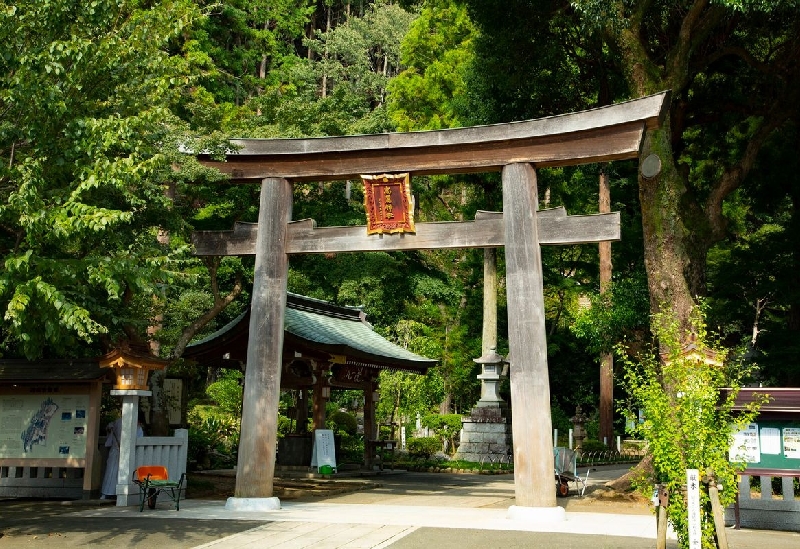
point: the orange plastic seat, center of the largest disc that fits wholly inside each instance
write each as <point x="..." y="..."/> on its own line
<point x="155" y="472"/>
<point x="154" y="480"/>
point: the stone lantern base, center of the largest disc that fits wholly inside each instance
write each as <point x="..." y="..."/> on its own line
<point x="486" y="434"/>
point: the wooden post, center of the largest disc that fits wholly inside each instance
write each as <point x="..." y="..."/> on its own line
<point x="716" y="510"/>
<point x="489" y="340"/>
<point x="369" y="425"/>
<point x="257" y="443"/>
<point x="318" y="399"/>
<point x="606" y="359"/>
<point x="661" y="533"/>
<point x="92" y="477"/>
<point x="534" y="483"/>
<point x="661" y="517"/>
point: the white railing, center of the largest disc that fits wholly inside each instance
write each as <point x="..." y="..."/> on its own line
<point x="171" y="452"/>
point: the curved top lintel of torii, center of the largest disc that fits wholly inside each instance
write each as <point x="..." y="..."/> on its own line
<point x="603" y="134"/>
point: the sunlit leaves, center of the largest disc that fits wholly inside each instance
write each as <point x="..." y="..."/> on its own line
<point x="686" y="423"/>
<point x="436" y="51"/>
<point x="87" y="94"/>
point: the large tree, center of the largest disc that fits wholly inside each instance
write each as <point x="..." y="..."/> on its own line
<point x="87" y="141"/>
<point x="732" y="69"/>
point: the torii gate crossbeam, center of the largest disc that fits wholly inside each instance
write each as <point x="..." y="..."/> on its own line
<point x="607" y="133"/>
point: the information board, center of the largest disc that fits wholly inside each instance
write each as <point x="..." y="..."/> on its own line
<point x="769" y="444"/>
<point x="324" y="452"/>
<point x="48" y="425"/>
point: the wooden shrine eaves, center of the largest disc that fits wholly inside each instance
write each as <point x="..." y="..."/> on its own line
<point x="487" y="231"/>
<point x="598" y="135"/>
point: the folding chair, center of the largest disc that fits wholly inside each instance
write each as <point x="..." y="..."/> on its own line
<point x="154" y="480"/>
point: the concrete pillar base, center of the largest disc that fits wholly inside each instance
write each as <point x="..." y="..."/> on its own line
<point x="253" y="504"/>
<point x="537" y="514"/>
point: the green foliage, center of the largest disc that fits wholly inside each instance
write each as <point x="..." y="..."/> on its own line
<point x="284" y="425"/>
<point x="88" y="137"/>
<point x="340" y="86"/>
<point x="342" y="423"/>
<point x="614" y="315"/>
<point x="241" y="43"/>
<point x="349" y="444"/>
<point x="752" y="277"/>
<point x="436" y="51"/>
<point x="560" y="420"/>
<point x="424" y="447"/>
<point x="443" y="424"/>
<point x="227" y="392"/>
<point x="592" y="445"/>
<point x="685" y="424"/>
<point x="516" y="74"/>
<point x="213" y="441"/>
<point x="446" y="426"/>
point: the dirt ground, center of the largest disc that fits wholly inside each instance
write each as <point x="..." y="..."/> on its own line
<point x="222" y="486"/>
<point x="597" y="499"/>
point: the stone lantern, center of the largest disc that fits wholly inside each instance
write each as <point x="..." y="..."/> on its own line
<point x="491" y="367"/>
<point x="579" y="427"/>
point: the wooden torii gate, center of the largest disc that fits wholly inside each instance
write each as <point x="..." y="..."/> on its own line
<point x="599" y="135"/>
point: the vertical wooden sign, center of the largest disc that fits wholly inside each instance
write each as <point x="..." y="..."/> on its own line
<point x="693" y="502"/>
<point x="388" y="203"/>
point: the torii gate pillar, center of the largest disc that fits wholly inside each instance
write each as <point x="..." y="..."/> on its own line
<point x="530" y="386"/>
<point x="262" y="386"/>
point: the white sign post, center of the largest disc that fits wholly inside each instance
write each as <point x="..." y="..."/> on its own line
<point x="693" y="503"/>
<point x="324" y="452"/>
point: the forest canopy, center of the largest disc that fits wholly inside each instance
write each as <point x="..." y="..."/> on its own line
<point x="99" y="102"/>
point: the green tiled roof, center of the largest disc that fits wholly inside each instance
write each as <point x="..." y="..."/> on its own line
<point x="352" y="333"/>
<point x="330" y="328"/>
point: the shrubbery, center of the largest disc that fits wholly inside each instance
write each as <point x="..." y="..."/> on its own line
<point x="686" y="424"/>
<point x="349" y="445"/>
<point x="213" y="442"/>
<point x="342" y="423"/>
<point x="590" y="445"/>
<point x="447" y="426"/>
<point x="424" y="447"/>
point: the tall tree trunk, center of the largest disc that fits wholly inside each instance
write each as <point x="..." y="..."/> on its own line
<point x="489" y="340"/>
<point x="606" y="359"/>
<point x="327" y="37"/>
<point x="793" y="321"/>
<point x="664" y="231"/>
<point x="159" y="413"/>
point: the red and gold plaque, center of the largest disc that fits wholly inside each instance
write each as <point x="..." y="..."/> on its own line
<point x="388" y="202"/>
